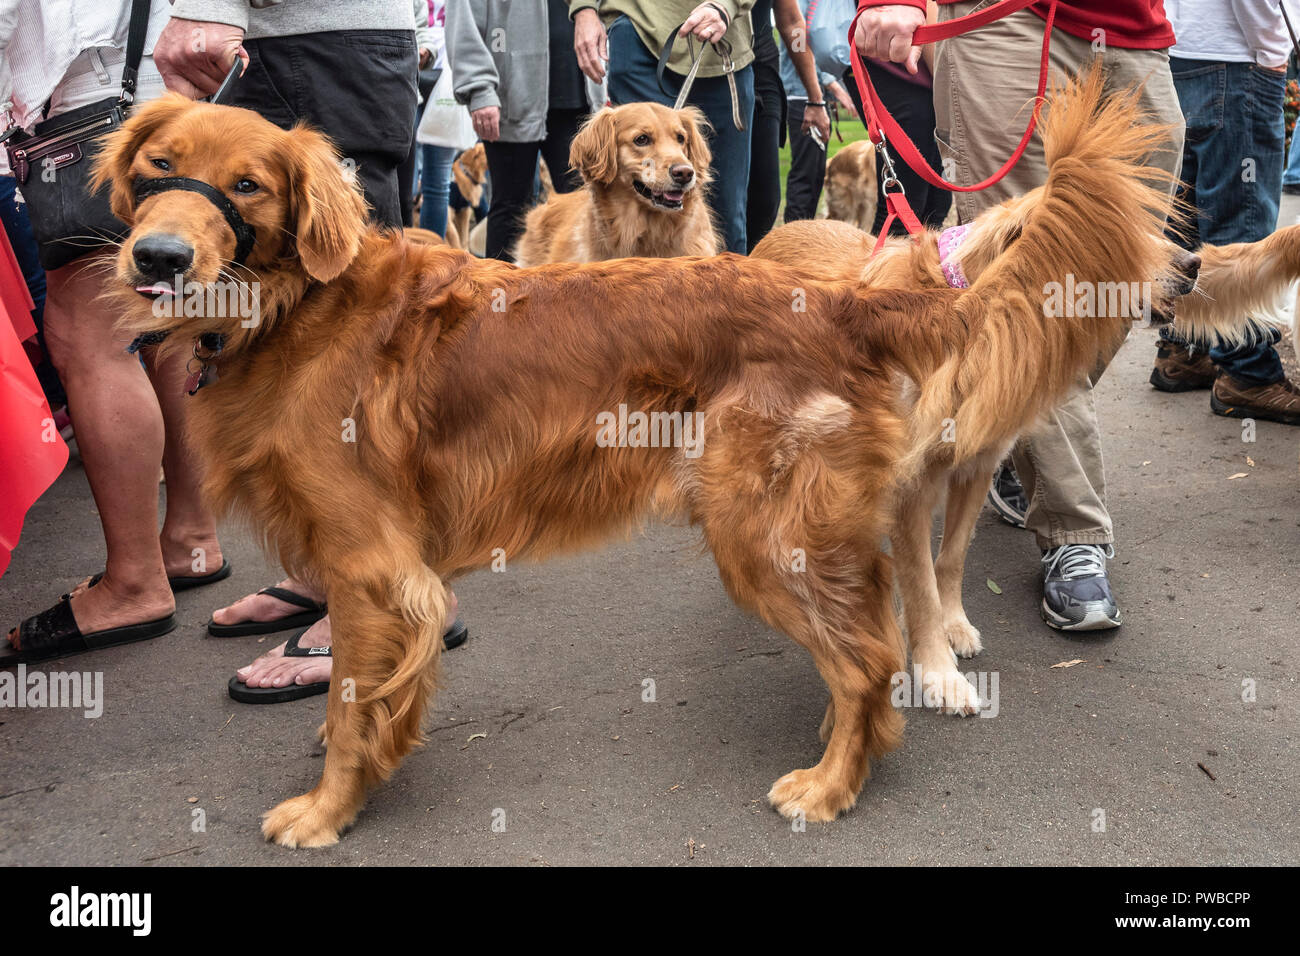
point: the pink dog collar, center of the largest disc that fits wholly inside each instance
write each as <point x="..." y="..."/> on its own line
<point x="949" y="242"/>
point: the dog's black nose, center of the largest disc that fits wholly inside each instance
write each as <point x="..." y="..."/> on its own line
<point x="162" y="256"/>
<point x="682" y="173"/>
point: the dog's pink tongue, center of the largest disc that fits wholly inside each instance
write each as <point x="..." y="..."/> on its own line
<point x="158" y="288"/>
<point x="674" y="196"/>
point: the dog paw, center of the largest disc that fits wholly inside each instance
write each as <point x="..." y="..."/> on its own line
<point x="963" y="637"/>
<point x="808" y="795"/>
<point x="944" y="688"/>
<point x="300" y="822"/>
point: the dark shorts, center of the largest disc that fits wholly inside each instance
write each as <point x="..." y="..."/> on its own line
<point x="355" y="86"/>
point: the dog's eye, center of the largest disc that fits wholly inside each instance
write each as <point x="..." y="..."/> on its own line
<point x="642" y="140"/>
<point x="681" y="137"/>
<point x="162" y="164"/>
<point x="245" y="186"/>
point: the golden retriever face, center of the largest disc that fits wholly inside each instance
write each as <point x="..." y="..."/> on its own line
<point x="290" y="187"/>
<point x="469" y="171"/>
<point x="657" y="153"/>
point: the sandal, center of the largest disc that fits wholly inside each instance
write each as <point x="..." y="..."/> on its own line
<point x="241" y="692"/>
<point x="312" y="612"/>
<point x="54" y="633"/>
<point x="180" y="582"/>
<point x="456" y="635"/>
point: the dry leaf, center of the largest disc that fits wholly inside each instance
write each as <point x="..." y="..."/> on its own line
<point x="1240" y="474"/>
<point x="473" y="737"/>
<point x="1077" y="660"/>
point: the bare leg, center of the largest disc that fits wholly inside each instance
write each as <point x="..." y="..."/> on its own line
<point x="189" y="532"/>
<point x="120" y="435"/>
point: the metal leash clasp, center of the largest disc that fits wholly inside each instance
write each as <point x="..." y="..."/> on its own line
<point x="887" y="164"/>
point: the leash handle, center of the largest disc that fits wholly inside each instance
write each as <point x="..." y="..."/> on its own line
<point x="720" y="46"/>
<point x="883" y="128"/>
<point x="235" y="72"/>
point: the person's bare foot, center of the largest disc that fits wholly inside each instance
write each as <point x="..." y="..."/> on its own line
<point x="273" y="669"/>
<point x="264" y="607"/>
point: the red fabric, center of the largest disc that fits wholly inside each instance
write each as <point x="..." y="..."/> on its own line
<point x="31" y="451"/>
<point x="1130" y="24"/>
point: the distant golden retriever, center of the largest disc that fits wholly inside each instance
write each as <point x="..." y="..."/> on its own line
<point x="644" y="168"/>
<point x="481" y="409"/>
<point x="851" y="185"/>
<point x="468" y="173"/>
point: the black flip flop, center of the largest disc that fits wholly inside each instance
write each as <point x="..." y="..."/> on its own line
<point x="54" y="633"/>
<point x="312" y="612"/>
<point x="181" y="582"/>
<point x="241" y="692"/>
<point x="456" y="635"/>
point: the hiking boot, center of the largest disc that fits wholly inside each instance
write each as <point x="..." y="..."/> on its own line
<point x="1178" y="369"/>
<point x="1007" y="495"/>
<point x="1076" y="588"/>
<point x="1278" y="402"/>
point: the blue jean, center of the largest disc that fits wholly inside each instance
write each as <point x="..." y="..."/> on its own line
<point x="1232" y="165"/>
<point x="632" y="80"/>
<point x="435" y="182"/>
<point x="18" y="228"/>
<point x="1291" y="175"/>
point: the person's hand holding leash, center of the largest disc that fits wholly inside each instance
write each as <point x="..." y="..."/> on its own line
<point x="816" y="116"/>
<point x="487" y="123"/>
<point x="706" y="22"/>
<point x="590" y="43"/>
<point x="885" y="33"/>
<point x="194" y="57"/>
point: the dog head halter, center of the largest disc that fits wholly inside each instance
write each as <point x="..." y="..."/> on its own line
<point x="244" y="234"/>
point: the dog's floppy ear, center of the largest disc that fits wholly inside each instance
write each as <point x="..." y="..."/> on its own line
<point x="594" y="152"/>
<point x="697" y="142"/>
<point x="326" y="207"/>
<point x="119" y="149"/>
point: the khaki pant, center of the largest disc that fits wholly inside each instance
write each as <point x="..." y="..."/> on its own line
<point x="984" y="87"/>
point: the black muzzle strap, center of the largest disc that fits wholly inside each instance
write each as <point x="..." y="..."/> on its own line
<point x="244" y="235"/>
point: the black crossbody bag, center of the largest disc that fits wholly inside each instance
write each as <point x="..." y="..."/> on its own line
<point x="53" y="165"/>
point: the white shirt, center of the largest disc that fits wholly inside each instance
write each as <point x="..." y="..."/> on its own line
<point x="1232" y="31"/>
<point x="39" y="39"/>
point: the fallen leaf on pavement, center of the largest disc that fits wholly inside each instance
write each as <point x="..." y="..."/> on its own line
<point x="1077" y="660"/>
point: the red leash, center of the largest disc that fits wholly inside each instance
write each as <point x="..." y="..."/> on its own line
<point x="883" y="129"/>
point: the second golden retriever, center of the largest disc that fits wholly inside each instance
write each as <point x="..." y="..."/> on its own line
<point x="644" y="168"/>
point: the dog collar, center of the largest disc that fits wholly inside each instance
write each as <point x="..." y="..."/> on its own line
<point x="950" y="241"/>
<point x="200" y="368"/>
<point x="244" y="234"/>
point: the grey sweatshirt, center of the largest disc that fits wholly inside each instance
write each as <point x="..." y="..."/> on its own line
<point x="282" y="18"/>
<point x="499" y="55"/>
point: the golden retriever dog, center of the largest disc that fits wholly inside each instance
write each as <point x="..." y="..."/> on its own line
<point x="644" y="168"/>
<point x="1002" y="387"/>
<point x="469" y="173"/>
<point x="851" y="185"/>
<point x="398" y="411"/>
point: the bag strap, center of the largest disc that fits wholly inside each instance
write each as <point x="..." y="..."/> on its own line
<point x="134" y="47"/>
